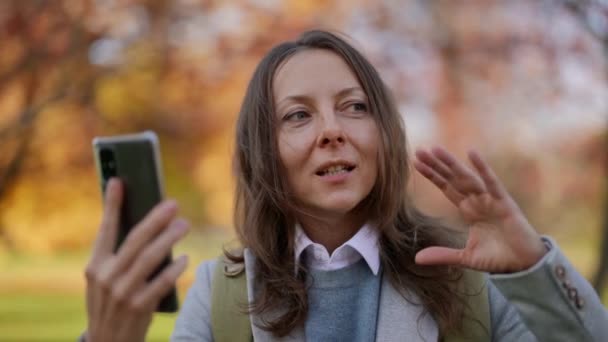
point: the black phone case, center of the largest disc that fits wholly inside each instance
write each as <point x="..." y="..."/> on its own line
<point x="136" y="168"/>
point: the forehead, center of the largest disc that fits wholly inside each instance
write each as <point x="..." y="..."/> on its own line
<point x="312" y="72"/>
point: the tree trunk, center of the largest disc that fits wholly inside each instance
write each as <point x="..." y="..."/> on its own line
<point x="601" y="273"/>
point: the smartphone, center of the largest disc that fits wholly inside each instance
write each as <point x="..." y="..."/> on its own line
<point x="135" y="160"/>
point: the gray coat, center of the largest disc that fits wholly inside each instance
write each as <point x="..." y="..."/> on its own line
<point x="548" y="302"/>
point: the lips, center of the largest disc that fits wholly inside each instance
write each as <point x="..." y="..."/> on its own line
<point x="334" y="168"/>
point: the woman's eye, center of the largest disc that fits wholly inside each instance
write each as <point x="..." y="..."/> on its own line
<point x="359" y="107"/>
<point x="297" y="116"/>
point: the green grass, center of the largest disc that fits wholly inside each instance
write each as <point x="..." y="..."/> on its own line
<point x="42" y="298"/>
<point x="56" y="317"/>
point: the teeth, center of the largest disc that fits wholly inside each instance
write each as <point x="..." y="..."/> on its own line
<point x="333" y="170"/>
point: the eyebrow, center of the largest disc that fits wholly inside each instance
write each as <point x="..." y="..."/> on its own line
<point x="347" y="91"/>
<point x="305" y="98"/>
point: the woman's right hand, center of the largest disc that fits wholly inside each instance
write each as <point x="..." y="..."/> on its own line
<point x="120" y="300"/>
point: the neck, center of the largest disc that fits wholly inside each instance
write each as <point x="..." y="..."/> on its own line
<point x="331" y="232"/>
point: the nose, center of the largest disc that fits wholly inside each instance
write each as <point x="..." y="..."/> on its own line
<point x="331" y="134"/>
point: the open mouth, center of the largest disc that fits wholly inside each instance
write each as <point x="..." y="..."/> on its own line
<point x="335" y="170"/>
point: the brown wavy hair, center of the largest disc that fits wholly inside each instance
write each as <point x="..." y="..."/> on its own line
<point x="264" y="211"/>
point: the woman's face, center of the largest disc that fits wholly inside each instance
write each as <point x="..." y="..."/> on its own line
<point x="328" y="140"/>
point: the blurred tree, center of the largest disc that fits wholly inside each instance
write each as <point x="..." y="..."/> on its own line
<point x="48" y="89"/>
<point x="36" y="36"/>
<point x="593" y="15"/>
<point x="520" y="80"/>
<point x="70" y="70"/>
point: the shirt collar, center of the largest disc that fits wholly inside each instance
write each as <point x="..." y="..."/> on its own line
<point x="364" y="244"/>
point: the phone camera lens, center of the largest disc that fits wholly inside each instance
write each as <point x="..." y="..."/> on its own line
<point x="108" y="163"/>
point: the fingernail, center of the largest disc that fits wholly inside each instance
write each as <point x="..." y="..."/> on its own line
<point x="182" y="261"/>
<point x="110" y="191"/>
<point x="111" y="183"/>
<point x="170" y="205"/>
<point x="180" y="225"/>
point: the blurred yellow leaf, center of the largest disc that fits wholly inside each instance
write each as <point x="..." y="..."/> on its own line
<point x="43" y="215"/>
<point x="213" y="174"/>
<point x="11" y="103"/>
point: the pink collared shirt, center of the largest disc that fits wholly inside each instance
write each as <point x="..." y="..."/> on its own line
<point x="364" y="244"/>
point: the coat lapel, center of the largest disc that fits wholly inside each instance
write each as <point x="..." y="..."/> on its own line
<point x="256" y="320"/>
<point x="401" y="320"/>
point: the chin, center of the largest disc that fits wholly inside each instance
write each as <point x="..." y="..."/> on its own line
<point x="340" y="206"/>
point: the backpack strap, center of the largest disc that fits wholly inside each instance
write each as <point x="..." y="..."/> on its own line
<point x="476" y="324"/>
<point x="229" y="322"/>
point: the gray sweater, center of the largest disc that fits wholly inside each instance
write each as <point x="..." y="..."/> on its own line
<point x="347" y="299"/>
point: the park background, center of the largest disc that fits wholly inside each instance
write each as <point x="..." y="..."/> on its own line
<point x="523" y="81"/>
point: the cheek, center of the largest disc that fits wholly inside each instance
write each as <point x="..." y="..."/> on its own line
<point x="295" y="145"/>
<point x="292" y="154"/>
<point x="367" y="137"/>
<point x="286" y="155"/>
<point x="371" y="151"/>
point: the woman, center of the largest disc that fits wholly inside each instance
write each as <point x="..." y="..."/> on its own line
<point x="334" y="250"/>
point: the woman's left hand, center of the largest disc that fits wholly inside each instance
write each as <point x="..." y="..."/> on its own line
<point x="500" y="238"/>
